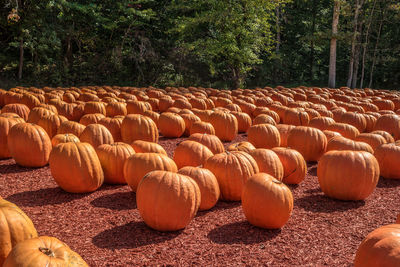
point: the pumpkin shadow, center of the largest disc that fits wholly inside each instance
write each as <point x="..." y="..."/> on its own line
<point x="116" y="201"/>
<point x="312" y="170"/>
<point x="241" y="233"/>
<point x="388" y="183"/>
<point x="323" y="204"/>
<point x="221" y="205"/>
<point x="15" y="168"/>
<point x="131" y="235"/>
<point x="44" y="197"/>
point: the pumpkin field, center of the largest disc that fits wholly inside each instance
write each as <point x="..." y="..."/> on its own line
<point x="127" y="176"/>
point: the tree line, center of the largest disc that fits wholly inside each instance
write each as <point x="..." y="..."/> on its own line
<point x="210" y="43"/>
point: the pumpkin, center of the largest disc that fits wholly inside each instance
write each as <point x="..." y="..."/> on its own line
<point x="284" y="131"/>
<point x="91" y="118"/>
<point x="310" y="142"/>
<point x="29" y="145"/>
<point x="330" y="134"/>
<point x="138" y="127"/>
<point x="64" y="138"/>
<point x="19" y="109"/>
<point x="141" y="146"/>
<point x="76" y="168"/>
<point x="268" y="162"/>
<point x="138" y="165"/>
<point x="348" y="175"/>
<point x="244" y="121"/>
<point x="15" y="227"/>
<point x="189" y="120"/>
<point x="380" y="248"/>
<point x="389" y="123"/>
<point x="202" y="127"/>
<point x="43" y="251"/>
<point x="210" y="141"/>
<point x="346" y="130"/>
<point x="356" y="119"/>
<point x="112" y="158"/>
<point x="167" y="201"/>
<point x="266" y="201"/>
<point x="374" y="140"/>
<point x="94" y="107"/>
<point x="386" y="135"/>
<point x="388" y="156"/>
<point x="264" y="136"/>
<point x="342" y="143"/>
<point x="71" y="127"/>
<point x="241" y="146"/>
<point x="96" y="135"/>
<point x="321" y="123"/>
<point x="114" y="126"/>
<point x="115" y="109"/>
<point x="51" y="123"/>
<point x="232" y="170"/>
<point x="294" y="165"/>
<point x="264" y="118"/>
<point x="225" y="125"/>
<point x="37" y="113"/>
<point x="5" y="126"/>
<point x="208" y="185"/>
<point x="296" y="117"/>
<point x="171" y="125"/>
<point x="191" y="153"/>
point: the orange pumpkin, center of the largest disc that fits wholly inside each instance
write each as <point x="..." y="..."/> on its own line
<point x="19" y="109"/>
<point x="386" y="135"/>
<point x="191" y="153"/>
<point x="294" y="165"/>
<point x="296" y="117"/>
<point x="348" y="175"/>
<point x="268" y="162"/>
<point x="51" y="123"/>
<point x="210" y="141"/>
<point x="264" y="118"/>
<point x="356" y="119"/>
<point x="15" y="227"/>
<point x="112" y="158"/>
<point x="310" y="142"/>
<point x="321" y="123"/>
<point x="264" y="136"/>
<point x="232" y="170"/>
<point x="138" y="165"/>
<point x="202" y="127"/>
<point x="29" y="145"/>
<point x="37" y="113"/>
<point x="114" y="126"/>
<point x="76" y="168"/>
<point x="241" y="146"/>
<point x="71" y="127"/>
<point x="208" y="185"/>
<point x="330" y="134"/>
<point x="115" y="109"/>
<point x="94" y="107"/>
<point x="346" y="130"/>
<point x="141" y="146"/>
<point x="91" y="118"/>
<point x="284" y="131"/>
<point x="389" y="123"/>
<point x="138" y="127"/>
<point x="43" y="251"/>
<point x="5" y="126"/>
<point x="189" y="119"/>
<point x="167" y="201"/>
<point x="388" y="156"/>
<point x="96" y="135"/>
<point x="64" y="138"/>
<point x="342" y="143"/>
<point x="225" y="125"/>
<point x="266" y="201"/>
<point x="374" y="140"/>
<point x="244" y="121"/>
<point x="171" y="125"/>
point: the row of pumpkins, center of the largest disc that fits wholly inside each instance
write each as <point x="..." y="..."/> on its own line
<point x="93" y="135"/>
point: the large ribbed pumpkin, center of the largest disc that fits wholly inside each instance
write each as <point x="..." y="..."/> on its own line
<point x="241" y="146"/>
<point x="346" y="130"/>
<point x="189" y="119"/>
<point x="342" y="143"/>
<point x="266" y="201"/>
<point x="356" y="119"/>
<point x="284" y="130"/>
<point x="310" y="142"/>
<point x="29" y="145"/>
<point x="321" y="123"/>
<point x="138" y="127"/>
<point x="114" y="126"/>
<point x="96" y="135"/>
<point x="389" y="123"/>
<point x="225" y="125"/>
<point x="348" y="175"/>
<point x="171" y="125"/>
<point x="112" y="158"/>
<point x="71" y="127"/>
<point x="380" y="248"/>
<point x="374" y="140"/>
<point x="207" y="183"/>
<point x="138" y="165"/>
<point x="141" y="146"/>
<point x="167" y="201"/>
<point x="51" y="123"/>
<point x="191" y="153"/>
<point x="268" y="162"/>
<point x="15" y="226"/>
<point x="294" y="165"/>
<point x="388" y="156"/>
<point x="232" y="170"/>
<point x="210" y="141"/>
<point x="64" y="138"/>
<point x="202" y="127"/>
<point x="76" y="168"/>
<point x="264" y="136"/>
<point x="43" y="251"/>
<point x="244" y="121"/>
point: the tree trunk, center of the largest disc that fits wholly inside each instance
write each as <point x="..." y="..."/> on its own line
<point x="332" y="57"/>
<point x="356" y="59"/>
<point x="365" y="45"/>
<point x="21" y="58"/>
<point x="353" y="42"/>
<point x="314" y="14"/>
<point x="376" y="50"/>
<point x="278" y="29"/>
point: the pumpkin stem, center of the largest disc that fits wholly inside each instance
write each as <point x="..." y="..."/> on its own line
<point x="47" y="252"/>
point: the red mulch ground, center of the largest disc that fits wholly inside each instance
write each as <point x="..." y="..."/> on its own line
<point x="106" y="229"/>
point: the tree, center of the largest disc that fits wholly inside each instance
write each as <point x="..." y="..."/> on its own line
<point x="332" y="54"/>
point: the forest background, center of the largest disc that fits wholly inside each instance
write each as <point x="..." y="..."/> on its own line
<point x="208" y="43"/>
